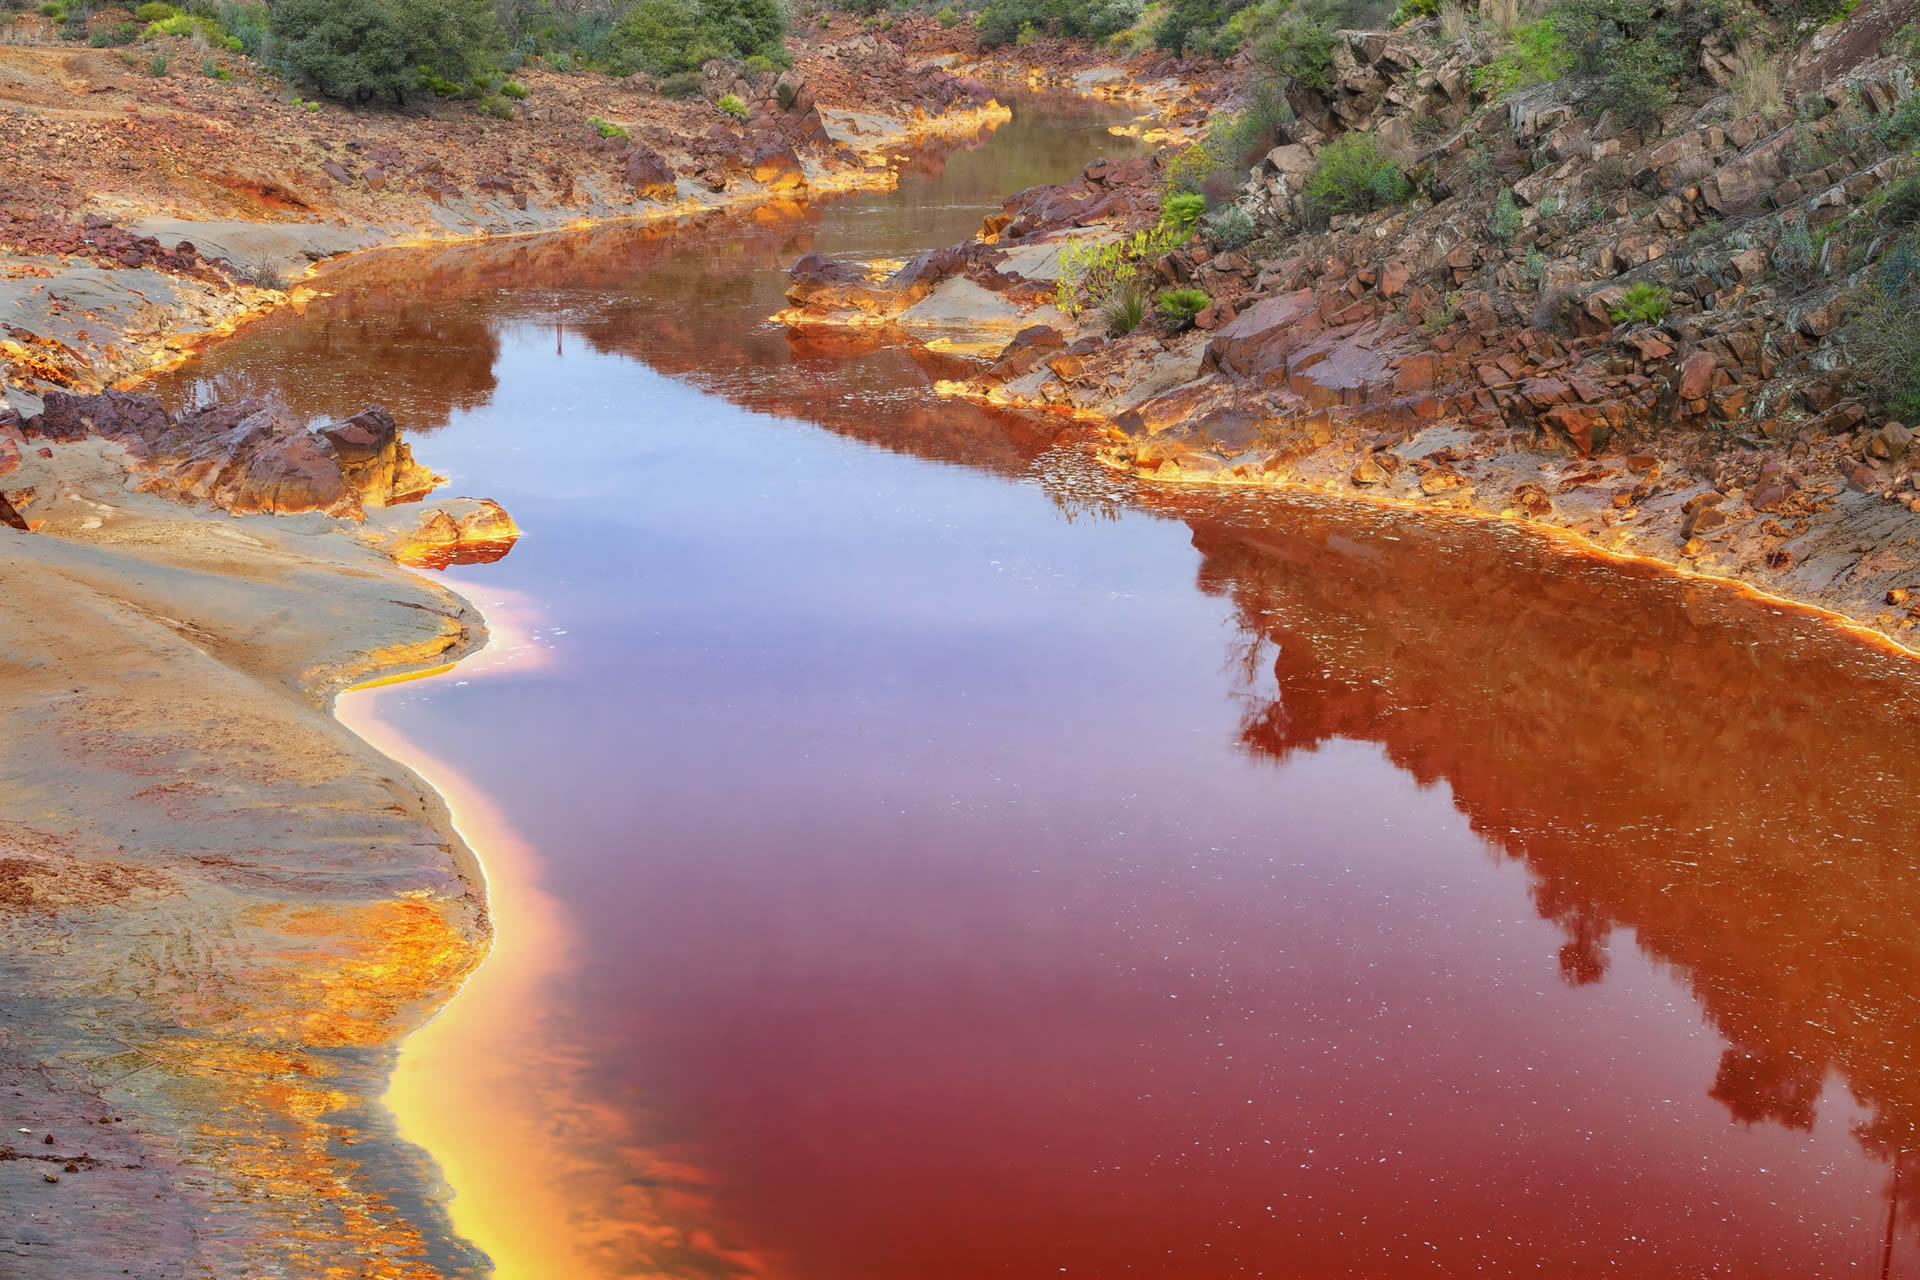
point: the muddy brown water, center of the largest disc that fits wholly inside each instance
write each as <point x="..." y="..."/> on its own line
<point x="921" y="854"/>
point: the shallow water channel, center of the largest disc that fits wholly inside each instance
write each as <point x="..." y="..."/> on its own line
<point x="919" y="855"/>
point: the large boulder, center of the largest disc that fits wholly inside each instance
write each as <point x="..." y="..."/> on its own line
<point x="117" y="415"/>
<point x="376" y="463"/>
<point x="776" y="166"/>
<point x="649" y="175"/>
<point x="822" y="284"/>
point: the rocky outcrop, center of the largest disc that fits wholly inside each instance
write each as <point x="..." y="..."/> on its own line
<point x="454" y="531"/>
<point x="776" y="166"/>
<point x="650" y="176"/>
<point x="247" y="458"/>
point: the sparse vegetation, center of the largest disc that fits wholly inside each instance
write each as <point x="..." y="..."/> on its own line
<point x="1538" y="54"/>
<point x="733" y="105"/>
<point x="1231" y="228"/>
<point x="1126" y="309"/>
<point x="1355" y="175"/>
<point x="1757" y="84"/>
<point x="1503" y="223"/>
<point x="1178" y="307"/>
<point x="1180" y="211"/>
<point x="263" y="275"/>
<point x="607" y="128"/>
<point x="1644" y="303"/>
<point x="1092" y="273"/>
<point x="1885" y="336"/>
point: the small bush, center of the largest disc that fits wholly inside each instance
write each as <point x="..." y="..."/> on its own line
<point x="1242" y="139"/>
<point x="1644" y="303"/>
<point x="607" y="128"/>
<point x="1610" y="173"/>
<point x="1503" y="224"/>
<point x="681" y="85"/>
<point x="1178" y="307"/>
<point x="1125" y="310"/>
<point x="99" y="39"/>
<point x="1538" y="54"/>
<point x="1534" y="271"/>
<point x="1886" y="348"/>
<point x="1757" y="84"/>
<point x="1091" y="274"/>
<point x="496" y="106"/>
<point x="1795" y="255"/>
<point x="263" y="275"/>
<point x="733" y="106"/>
<point x="1902" y="206"/>
<point x="1187" y="171"/>
<point x="1300" y="48"/>
<point x="214" y="71"/>
<point x="158" y="67"/>
<point x="57" y="12"/>
<point x="785" y="94"/>
<point x="1231" y="228"/>
<point x="1413" y="11"/>
<point x="513" y="89"/>
<point x="948" y="16"/>
<point x="1179" y="212"/>
<point x="1901" y="126"/>
<point x="1354" y="176"/>
<point x="155" y="12"/>
<point x="1027" y="35"/>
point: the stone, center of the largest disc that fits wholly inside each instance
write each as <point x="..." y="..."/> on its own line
<point x="1695" y="378"/>
<point x="1368" y="472"/>
<point x="776" y="166"/>
<point x="650" y="176"/>
<point x="374" y="461"/>
<point x="1393" y="278"/>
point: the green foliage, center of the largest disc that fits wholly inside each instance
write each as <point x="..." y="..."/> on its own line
<point x="1126" y="309"/>
<point x="1538" y="54"/>
<point x="1885" y="337"/>
<point x="158" y="67"/>
<point x="1795" y="254"/>
<point x="1644" y="303"/>
<point x="785" y="94"/>
<point x="666" y="36"/>
<point x="1900" y="127"/>
<point x="57" y="12"/>
<point x="214" y="71"/>
<point x="361" y="49"/>
<point x="948" y="16"/>
<point x="496" y="106"/>
<point x="607" y="128"/>
<point x="154" y="11"/>
<point x="1354" y="176"/>
<point x="1178" y="307"/>
<point x="1636" y="49"/>
<point x="1231" y="228"/>
<point x="1901" y="208"/>
<point x="733" y="106"/>
<point x="513" y="89"/>
<point x="682" y="85"/>
<point x="1242" y="139"/>
<point x="1413" y="11"/>
<point x="1534" y="270"/>
<point x="1503" y="223"/>
<point x="1187" y="170"/>
<point x="1091" y="273"/>
<point x="1179" y="212"/>
<point x="99" y="39"/>
<point x="1299" y="47"/>
<point x="1024" y="21"/>
<point x="761" y="65"/>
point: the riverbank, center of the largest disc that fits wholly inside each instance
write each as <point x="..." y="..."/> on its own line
<point x="1430" y="354"/>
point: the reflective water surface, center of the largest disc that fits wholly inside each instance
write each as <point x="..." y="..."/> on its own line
<point x="920" y="854"/>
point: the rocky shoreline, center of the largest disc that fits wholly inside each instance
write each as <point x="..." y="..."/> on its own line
<point x="1395" y="357"/>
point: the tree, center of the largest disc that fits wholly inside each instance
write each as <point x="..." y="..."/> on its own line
<point x="360" y="49"/>
<point x="665" y="36"/>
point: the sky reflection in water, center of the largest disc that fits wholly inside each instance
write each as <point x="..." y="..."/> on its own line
<point x="953" y="862"/>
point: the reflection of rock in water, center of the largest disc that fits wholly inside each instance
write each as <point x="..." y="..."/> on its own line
<point x="1743" y="809"/>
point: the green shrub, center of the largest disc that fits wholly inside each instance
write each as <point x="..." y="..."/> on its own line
<point x="733" y="106"/>
<point x="362" y="49"/>
<point x="1299" y="47"/>
<point x="158" y="67"/>
<point x="682" y="85"/>
<point x="1242" y="139"/>
<point x="1231" y="228"/>
<point x="1413" y="11"/>
<point x="1125" y="309"/>
<point x="1187" y="170"/>
<point x="1901" y="126"/>
<point x="496" y="106"/>
<point x="214" y="71"/>
<point x="1179" y="212"/>
<point x="1178" y="307"/>
<point x="1795" y="255"/>
<point x="1354" y="176"/>
<point x="1902" y="205"/>
<point x="1027" y="34"/>
<point x="1538" y="54"/>
<point x="1503" y="224"/>
<point x="1091" y="273"/>
<point x="785" y="94"/>
<point x="513" y="89"/>
<point x="154" y="11"/>
<point x="57" y="12"/>
<point x="1644" y="303"/>
<point x="666" y="36"/>
<point x="607" y="128"/>
<point x="948" y="17"/>
<point x="99" y="39"/>
<point x="1885" y="342"/>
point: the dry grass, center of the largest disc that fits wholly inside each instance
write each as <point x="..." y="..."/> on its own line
<point x="1502" y="15"/>
<point x="1455" y="22"/>
<point x="1757" y="82"/>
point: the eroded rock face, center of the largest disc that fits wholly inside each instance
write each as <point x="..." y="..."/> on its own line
<point x="776" y="166"/>
<point x="821" y="283"/>
<point x="649" y="175"/>
<point x="248" y="458"/>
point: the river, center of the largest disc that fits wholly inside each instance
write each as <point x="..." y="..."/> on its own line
<point x="918" y="853"/>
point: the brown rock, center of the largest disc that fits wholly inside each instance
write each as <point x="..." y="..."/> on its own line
<point x="1696" y="376"/>
<point x="650" y="176"/>
<point x="776" y="166"/>
<point x="1367" y="472"/>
